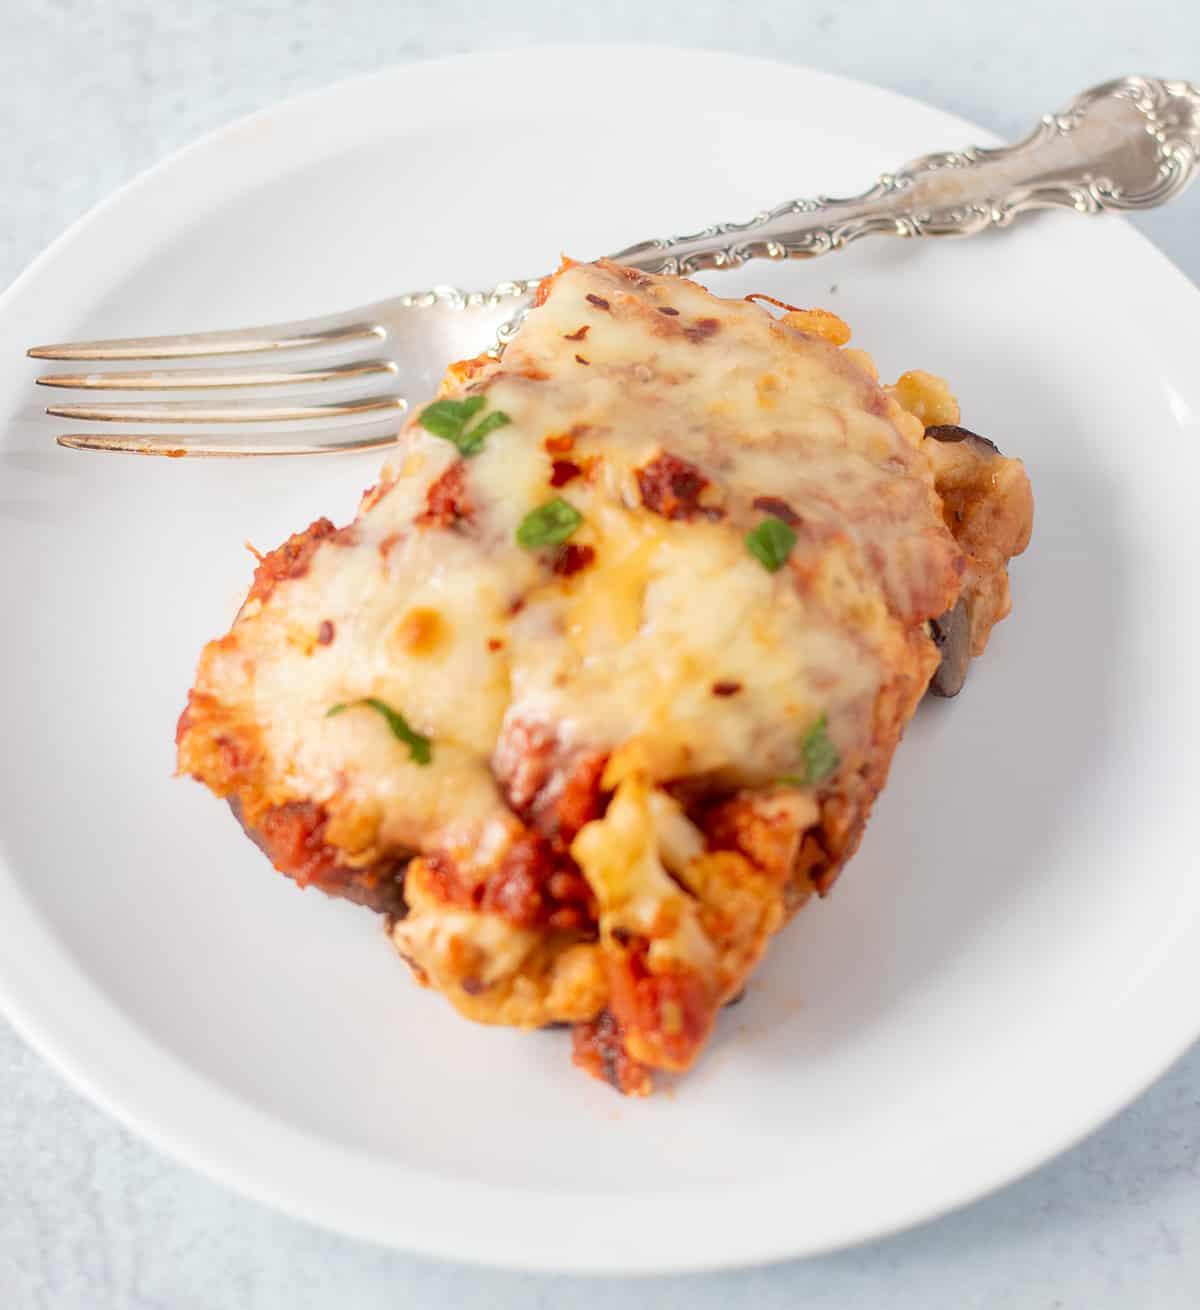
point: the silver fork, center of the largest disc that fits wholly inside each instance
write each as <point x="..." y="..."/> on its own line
<point x="342" y="382"/>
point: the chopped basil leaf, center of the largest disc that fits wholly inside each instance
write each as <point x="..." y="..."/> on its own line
<point x="420" y="748"/>
<point x="472" y="442"/>
<point x="445" y="418"/>
<point x="771" y="543"/>
<point x="548" y="525"/>
<point x="448" y="419"/>
<point x="820" y="757"/>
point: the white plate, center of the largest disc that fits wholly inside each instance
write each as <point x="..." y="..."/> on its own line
<point x="1012" y="956"/>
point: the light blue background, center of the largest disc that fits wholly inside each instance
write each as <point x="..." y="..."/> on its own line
<point x="91" y="1219"/>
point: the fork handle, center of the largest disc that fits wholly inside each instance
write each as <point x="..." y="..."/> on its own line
<point x="1131" y="143"/>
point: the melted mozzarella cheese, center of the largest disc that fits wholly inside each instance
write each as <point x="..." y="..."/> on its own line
<point x="464" y="632"/>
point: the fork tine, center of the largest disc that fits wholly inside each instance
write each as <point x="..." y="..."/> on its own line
<point x="203" y="379"/>
<point x="231" y="412"/>
<point x="328" y="331"/>
<point x="174" y="446"/>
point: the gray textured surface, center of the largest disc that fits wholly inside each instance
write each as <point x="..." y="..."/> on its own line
<point x="90" y="1219"/>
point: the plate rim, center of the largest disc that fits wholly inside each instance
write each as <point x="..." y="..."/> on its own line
<point x="48" y="1026"/>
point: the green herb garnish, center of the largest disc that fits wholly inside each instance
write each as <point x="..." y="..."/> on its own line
<point x="448" y="419"/>
<point x="420" y="748"/>
<point x="548" y="525"/>
<point x="771" y="543"/>
<point x="820" y="757"/>
<point x="472" y="443"/>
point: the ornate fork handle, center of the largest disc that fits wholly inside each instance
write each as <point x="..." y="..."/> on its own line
<point x="1127" y="144"/>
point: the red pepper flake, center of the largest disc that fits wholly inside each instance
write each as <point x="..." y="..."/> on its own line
<point x="495" y="644"/>
<point x="570" y="558"/>
<point x="671" y="486"/>
<point x="779" y="508"/>
<point x="579" y="359"/>
<point x="670" y="313"/>
<point x="598" y="301"/>
<point x="325" y="632"/>
<point x="564" y="471"/>
<point x="726" y="688"/>
<point x="560" y="444"/>
<point x="702" y="329"/>
<point x="578" y="335"/>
